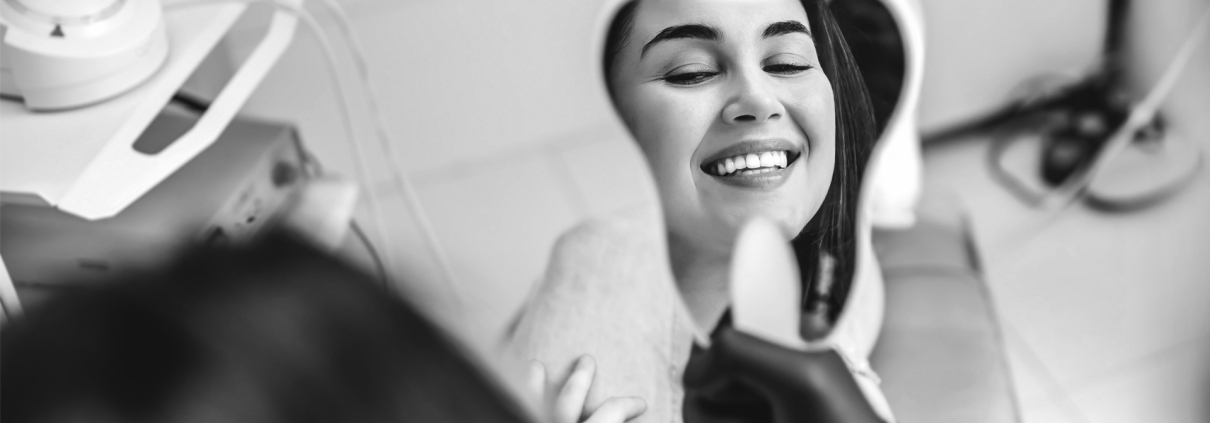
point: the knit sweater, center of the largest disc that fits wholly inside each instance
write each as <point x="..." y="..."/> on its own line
<point x="609" y="292"/>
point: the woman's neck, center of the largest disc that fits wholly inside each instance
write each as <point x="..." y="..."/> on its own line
<point x="702" y="278"/>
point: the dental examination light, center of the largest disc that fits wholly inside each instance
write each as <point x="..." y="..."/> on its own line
<point x="71" y="53"/>
<point x="78" y="154"/>
<point x="83" y="80"/>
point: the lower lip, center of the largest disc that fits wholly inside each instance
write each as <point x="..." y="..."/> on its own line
<point x="766" y="180"/>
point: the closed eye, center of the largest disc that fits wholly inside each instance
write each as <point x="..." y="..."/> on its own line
<point x="689" y="78"/>
<point x="786" y="68"/>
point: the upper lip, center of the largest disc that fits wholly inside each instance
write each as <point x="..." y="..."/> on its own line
<point x="753" y="147"/>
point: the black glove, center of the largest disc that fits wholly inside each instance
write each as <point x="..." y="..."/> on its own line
<point x="742" y="378"/>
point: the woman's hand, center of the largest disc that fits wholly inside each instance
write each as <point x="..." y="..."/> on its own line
<point x="566" y="403"/>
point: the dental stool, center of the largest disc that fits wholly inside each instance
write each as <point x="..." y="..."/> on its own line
<point x="941" y="354"/>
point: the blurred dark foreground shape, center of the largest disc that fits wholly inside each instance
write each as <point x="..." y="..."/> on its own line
<point x="271" y="332"/>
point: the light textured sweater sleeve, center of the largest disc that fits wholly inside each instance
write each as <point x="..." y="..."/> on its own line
<point x="608" y="293"/>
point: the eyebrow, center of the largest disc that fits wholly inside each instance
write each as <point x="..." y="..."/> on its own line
<point x="705" y="32"/>
<point x="786" y="27"/>
<point x="694" y="31"/>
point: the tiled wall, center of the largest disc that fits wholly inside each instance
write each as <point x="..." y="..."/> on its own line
<point x="495" y="113"/>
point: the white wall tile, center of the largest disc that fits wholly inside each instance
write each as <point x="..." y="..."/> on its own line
<point x="609" y="173"/>
<point x="408" y="256"/>
<point x="498" y="222"/>
<point x="462" y="80"/>
<point x="455" y="80"/>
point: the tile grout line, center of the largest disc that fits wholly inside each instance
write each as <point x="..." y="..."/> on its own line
<point x="568" y="140"/>
<point x="557" y="160"/>
<point x="1065" y="401"/>
<point x="1137" y="364"/>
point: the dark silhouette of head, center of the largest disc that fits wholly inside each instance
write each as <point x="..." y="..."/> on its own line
<point x="274" y="332"/>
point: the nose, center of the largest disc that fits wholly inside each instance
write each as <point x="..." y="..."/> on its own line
<point x="754" y="101"/>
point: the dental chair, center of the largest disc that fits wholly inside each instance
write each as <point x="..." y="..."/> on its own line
<point x="940" y="354"/>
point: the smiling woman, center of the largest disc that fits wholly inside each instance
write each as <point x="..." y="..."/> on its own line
<point x="742" y="109"/>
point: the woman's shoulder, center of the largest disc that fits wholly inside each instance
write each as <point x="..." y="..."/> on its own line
<point x="607" y="292"/>
<point x="623" y="251"/>
<point x="614" y="237"/>
<point x="621" y="255"/>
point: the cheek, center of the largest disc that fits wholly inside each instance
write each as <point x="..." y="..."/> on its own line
<point x="813" y="109"/>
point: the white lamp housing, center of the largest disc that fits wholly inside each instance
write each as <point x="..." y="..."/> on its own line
<point x="60" y="54"/>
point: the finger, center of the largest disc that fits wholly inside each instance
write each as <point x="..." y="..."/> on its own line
<point x="570" y="403"/>
<point x="537" y="379"/>
<point x="618" y="410"/>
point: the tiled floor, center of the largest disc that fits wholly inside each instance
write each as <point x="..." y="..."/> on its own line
<point x="1107" y="315"/>
<point x="1169" y="386"/>
<point x="1095" y="305"/>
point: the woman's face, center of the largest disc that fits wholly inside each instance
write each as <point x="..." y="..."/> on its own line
<point x="731" y="108"/>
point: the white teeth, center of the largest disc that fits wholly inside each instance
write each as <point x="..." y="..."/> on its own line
<point x="766" y="159"/>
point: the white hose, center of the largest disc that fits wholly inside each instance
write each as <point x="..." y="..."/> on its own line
<point x="400" y="178"/>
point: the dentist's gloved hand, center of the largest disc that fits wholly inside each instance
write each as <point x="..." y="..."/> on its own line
<point x="742" y="378"/>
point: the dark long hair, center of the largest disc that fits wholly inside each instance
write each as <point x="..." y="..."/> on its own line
<point x="833" y="229"/>
<point x="271" y="332"/>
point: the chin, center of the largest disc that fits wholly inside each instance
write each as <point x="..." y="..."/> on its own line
<point x="790" y="216"/>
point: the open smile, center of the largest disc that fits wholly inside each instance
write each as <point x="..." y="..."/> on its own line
<point x="753" y="164"/>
